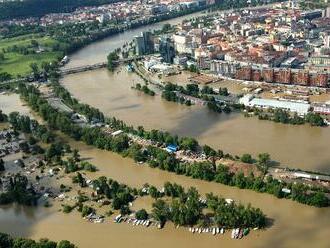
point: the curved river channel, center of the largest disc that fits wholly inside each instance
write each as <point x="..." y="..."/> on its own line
<point x="293" y="224"/>
<point x="301" y="147"/>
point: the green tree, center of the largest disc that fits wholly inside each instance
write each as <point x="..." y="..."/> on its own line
<point x="2" y="57"/>
<point x="141" y="214"/>
<point x="35" y="70"/>
<point x="65" y="244"/>
<point x="264" y="161"/>
<point x="160" y="211"/>
<point x="5" y="240"/>
<point x="247" y="158"/>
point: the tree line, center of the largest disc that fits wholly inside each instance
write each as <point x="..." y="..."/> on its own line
<point x="157" y="157"/>
<point x="184" y="208"/>
<point x="145" y="89"/>
<point x="284" y="117"/>
<point x="170" y="93"/>
<point x="7" y="241"/>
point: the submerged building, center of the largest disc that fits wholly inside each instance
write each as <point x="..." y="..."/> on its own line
<point x="144" y="44"/>
<point x="296" y="107"/>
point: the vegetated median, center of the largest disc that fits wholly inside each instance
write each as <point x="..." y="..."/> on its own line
<point x="158" y="157"/>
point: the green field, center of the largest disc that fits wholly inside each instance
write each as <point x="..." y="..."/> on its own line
<point x="16" y="63"/>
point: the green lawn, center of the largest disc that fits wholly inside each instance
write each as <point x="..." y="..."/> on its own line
<point x="26" y="40"/>
<point x="19" y="64"/>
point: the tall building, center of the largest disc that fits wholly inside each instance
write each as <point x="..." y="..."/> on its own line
<point x="166" y="49"/>
<point x="144" y="43"/>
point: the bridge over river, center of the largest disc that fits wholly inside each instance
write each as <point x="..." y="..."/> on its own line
<point x="73" y="70"/>
<point x="78" y="69"/>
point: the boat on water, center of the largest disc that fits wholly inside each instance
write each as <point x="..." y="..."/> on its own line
<point x="222" y="231"/>
<point x="236" y="233"/>
<point x="233" y="234"/>
<point x="246" y="231"/>
<point x="240" y="234"/>
<point x="117" y="218"/>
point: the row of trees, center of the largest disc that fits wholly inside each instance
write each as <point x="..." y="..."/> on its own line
<point x="26" y="125"/>
<point x="207" y="94"/>
<point x="283" y="116"/>
<point x="157" y="157"/>
<point x="7" y="241"/>
<point x="144" y="89"/>
<point x="88" y="111"/>
<point x="186" y="209"/>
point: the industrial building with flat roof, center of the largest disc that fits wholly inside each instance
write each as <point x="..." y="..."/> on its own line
<point x="297" y="107"/>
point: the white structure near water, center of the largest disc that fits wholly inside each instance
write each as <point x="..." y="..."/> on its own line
<point x="298" y="107"/>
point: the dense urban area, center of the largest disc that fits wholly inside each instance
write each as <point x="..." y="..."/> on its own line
<point x="112" y="119"/>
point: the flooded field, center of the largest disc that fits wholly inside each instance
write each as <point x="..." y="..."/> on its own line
<point x="301" y="147"/>
<point x="12" y="102"/>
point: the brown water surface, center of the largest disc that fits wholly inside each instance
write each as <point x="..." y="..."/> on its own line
<point x="301" y="147"/>
<point x="294" y="225"/>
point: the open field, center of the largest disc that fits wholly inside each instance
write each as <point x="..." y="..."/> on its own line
<point x="20" y="52"/>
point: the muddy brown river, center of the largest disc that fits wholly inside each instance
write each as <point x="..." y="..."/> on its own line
<point x="301" y="147"/>
<point x="293" y="224"/>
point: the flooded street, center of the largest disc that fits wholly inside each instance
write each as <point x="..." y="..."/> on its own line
<point x="301" y="147"/>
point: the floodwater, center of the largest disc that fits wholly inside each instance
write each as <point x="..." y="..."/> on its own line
<point x="11" y="102"/>
<point x="301" y="147"/>
<point x="293" y="224"/>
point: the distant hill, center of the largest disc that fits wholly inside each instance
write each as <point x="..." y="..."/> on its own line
<point x="38" y="8"/>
